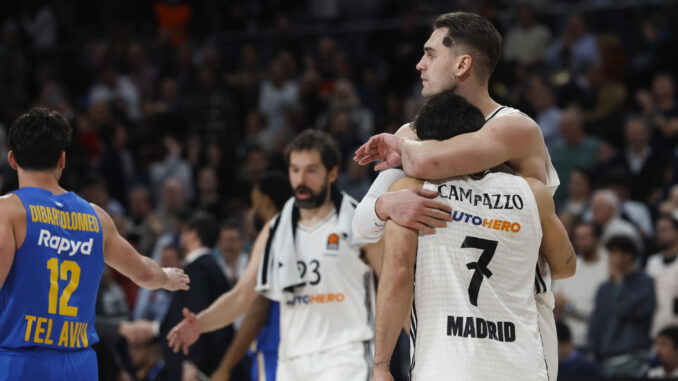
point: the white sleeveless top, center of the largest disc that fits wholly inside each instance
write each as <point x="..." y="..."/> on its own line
<point x="336" y="305"/>
<point x="474" y="316"/>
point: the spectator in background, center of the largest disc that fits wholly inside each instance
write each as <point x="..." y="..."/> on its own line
<point x="572" y="363"/>
<point x="575" y="150"/>
<point x="666" y="348"/>
<point x="207" y="284"/>
<point x="146" y="361"/>
<point x="575" y="296"/>
<point x="619" y="330"/>
<point x="665" y="106"/>
<point x="41" y="25"/>
<point x="231" y="256"/>
<point x="209" y="197"/>
<point x="116" y="162"/>
<point x="546" y="113"/>
<point x="275" y="95"/>
<point x="605" y="213"/>
<point x="248" y="76"/>
<point x="526" y="43"/>
<point x="646" y="165"/>
<point x="171" y="206"/>
<point x="172" y="166"/>
<point x="117" y="89"/>
<point x="579" y="194"/>
<point x="144" y="225"/>
<point x="143" y="74"/>
<point x="574" y="48"/>
<point x="344" y="98"/>
<point x="618" y="180"/>
<point x="663" y="268"/>
<point x="14" y="71"/>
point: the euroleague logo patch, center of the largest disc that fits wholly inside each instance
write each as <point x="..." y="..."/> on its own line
<point x="333" y="241"/>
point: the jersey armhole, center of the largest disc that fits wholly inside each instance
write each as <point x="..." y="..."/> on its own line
<point x="23" y="240"/>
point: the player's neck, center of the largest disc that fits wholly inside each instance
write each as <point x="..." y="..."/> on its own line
<point x="478" y="96"/>
<point x="311" y="217"/>
<point x="40" y="179"/>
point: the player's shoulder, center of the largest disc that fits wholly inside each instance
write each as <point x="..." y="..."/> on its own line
<point x="513" y="118"/>
<point x="11" y="206"/>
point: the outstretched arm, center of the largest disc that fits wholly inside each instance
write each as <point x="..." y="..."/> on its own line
<point x="396" y="286"/>
<point x="119" y="254"/>
<point x="500" y="140"/>
<point x="555" y="244"/>
<point x="227" y="308"/>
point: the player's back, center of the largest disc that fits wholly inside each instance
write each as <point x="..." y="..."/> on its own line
<point x="48" y="299"/>
<point x="474" y="313"/>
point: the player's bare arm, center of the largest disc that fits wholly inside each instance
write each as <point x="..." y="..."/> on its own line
<point x="119" y="254"/>
<point x="227" y="308"/>
<point x="555" y="244"/>
<point x="10" y="238"/>
<point x="396" y="284"/>
<point x="373" y="255"/>
<point x="511" y="138"/>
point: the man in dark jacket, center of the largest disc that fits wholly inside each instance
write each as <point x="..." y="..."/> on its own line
<point x="619" y="329"/>
<point x="207" y="283"/>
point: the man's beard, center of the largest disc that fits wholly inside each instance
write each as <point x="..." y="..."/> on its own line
<point x="313" y="201"/>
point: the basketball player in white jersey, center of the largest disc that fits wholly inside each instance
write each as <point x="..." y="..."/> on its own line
<point x="327" y="323"/>
<point x="473" y="314"/>
<point x="460" y="55"/>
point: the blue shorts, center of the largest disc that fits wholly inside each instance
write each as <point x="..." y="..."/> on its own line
<point x="264" y="366"/>
<point x="48" y="365"/>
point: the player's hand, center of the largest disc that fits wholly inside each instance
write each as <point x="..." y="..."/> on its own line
<point x="414" y="209"/>
<point x="184" y="334"/>
<point x="381" y="373"/>
<point x="384" y="147"/>
<point x="176" y="279"/>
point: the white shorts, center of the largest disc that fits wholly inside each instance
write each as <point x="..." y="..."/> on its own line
<point x="547" y="328"/>
<point x="346" y="363"/>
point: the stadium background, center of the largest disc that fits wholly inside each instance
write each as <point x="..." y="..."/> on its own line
<point x="180" y="106"/>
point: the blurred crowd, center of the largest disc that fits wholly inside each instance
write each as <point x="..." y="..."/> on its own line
<point x="182" y="106"/>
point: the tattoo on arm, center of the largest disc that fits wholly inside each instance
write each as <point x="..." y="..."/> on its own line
<point x="570" y="259"/>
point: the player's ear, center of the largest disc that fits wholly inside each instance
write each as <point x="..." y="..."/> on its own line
<point x="463" y="67"/>
<point x="62" y="160"/>
<point x="333" y="174"/>
<point x="12" y="160"/>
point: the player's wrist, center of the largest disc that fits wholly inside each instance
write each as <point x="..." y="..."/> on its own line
<point x="384" y="363"/>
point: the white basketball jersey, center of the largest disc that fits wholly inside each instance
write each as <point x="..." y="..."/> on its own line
<point x="474" y="315"/>
<point x="336" y="305"/>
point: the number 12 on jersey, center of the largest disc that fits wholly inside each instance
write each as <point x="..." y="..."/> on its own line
<point x="57" y="272"/>
<point x="479" y="267"/>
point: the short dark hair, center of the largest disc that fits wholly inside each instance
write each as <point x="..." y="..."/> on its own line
<point x="447" y="115"/>
<point x="206" y="227"/>
<point x="475" y="33"/>
<point x="311" y="140"/>
<point x="276" y="186"/>
<point x="232" y="224"/>
<point x="37" y="139"/>
<point x="622" y="243"/>
<point x="670" y="332"/>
